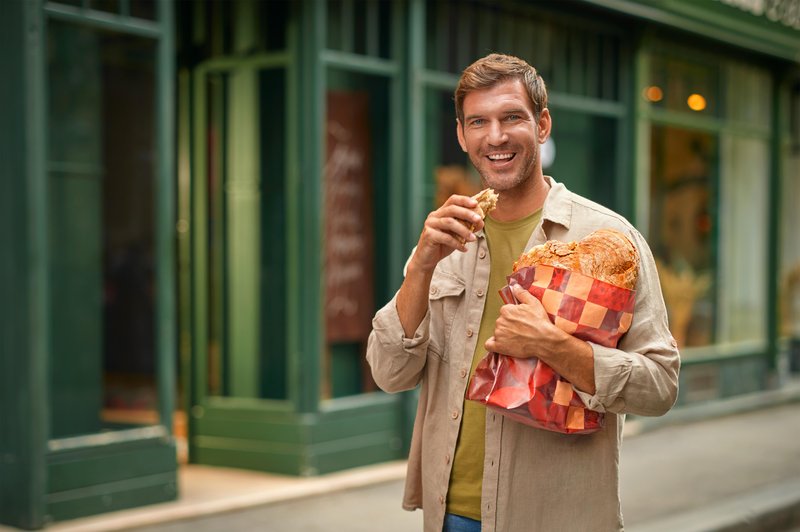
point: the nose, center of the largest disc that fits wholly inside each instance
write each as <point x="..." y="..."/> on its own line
<point x="496" y="134"/>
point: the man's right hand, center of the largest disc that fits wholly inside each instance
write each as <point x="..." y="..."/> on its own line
<point x="444" y="232"/>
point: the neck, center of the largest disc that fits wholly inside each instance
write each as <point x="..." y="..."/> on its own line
<point x="521" y="201"/>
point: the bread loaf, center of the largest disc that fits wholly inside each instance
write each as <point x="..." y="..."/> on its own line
<point x="487" y="201"/>
<point x="605" y="254"/>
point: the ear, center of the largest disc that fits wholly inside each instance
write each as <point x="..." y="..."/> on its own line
<point x="460" y="134"/>
<point x="545" y="123"/>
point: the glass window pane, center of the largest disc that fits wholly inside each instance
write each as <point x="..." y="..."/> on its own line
<point x="111" y="6"/>
<point x="446" y="164"/>
<point x="143" y="9"/>
<point x="684" y="86"/>
<point x="102" y="155"/>
<point x="743" y="203"/>
<point x="681" y="229"/>
<point x="359" y="26"/>
<point x="749" y="97"/>
<point x="272" y="128"/>
<point x="581" y="153"/>
<point x="356" y="176"/>
<point x="789" y="245"/>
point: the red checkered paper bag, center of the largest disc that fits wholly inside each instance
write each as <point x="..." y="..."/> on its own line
<point x="528" y="390"/>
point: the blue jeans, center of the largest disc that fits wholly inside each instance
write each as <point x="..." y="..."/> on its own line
<point x="458" y="523"/>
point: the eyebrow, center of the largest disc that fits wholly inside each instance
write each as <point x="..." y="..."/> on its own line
<point x="516" y="110"/>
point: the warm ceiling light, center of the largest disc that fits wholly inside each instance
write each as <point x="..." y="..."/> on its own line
<point x="654" y="93"/>
<point x="696" y="102"/>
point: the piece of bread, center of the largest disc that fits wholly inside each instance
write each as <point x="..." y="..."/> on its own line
<point x="487" y="201"/>
<point x="605" y="254"/>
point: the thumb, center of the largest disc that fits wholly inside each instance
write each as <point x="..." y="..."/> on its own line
<point x="522" y="295"/>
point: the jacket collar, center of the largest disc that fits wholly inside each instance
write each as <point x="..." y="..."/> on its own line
<point x="557" y="205"/>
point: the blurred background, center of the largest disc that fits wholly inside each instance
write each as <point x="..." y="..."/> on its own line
<point x="204" y="202"/>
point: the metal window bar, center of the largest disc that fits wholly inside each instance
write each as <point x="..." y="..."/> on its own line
<point x="102" y="20"/>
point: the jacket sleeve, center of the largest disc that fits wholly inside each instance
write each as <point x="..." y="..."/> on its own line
<point x="640" y="376"/>
<point x="397" y="362"/>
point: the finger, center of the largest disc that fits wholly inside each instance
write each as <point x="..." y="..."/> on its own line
<point x="491" y="345"/>
<point x="452" y="226"/>
<point x="465" y="201"/>
<point x="460" y="212"/>
<point x="440" y="235"/>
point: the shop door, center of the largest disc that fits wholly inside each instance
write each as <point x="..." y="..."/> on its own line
<point x="237" y="256"/>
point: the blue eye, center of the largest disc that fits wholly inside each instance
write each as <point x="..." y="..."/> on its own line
<point x="513" y="118"/>
<point x="477" y="122"/>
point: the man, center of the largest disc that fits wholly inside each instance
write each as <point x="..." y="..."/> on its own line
<point x="470" y="468"/>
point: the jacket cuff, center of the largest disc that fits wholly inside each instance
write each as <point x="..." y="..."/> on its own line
<point x="612" y="369"/>
<point x="388" y="329"/>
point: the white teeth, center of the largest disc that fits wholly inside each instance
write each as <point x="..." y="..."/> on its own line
<point x="500" y="156"/>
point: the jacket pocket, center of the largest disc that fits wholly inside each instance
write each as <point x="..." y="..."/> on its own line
<point x="445" y="297"/>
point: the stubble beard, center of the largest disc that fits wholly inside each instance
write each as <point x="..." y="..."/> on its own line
<point x="501" y="183"/>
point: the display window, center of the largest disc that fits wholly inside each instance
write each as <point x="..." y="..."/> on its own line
<point x="709" y="173"/>
<point x="101" y="166"/>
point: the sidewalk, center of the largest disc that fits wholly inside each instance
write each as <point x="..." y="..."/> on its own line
<point x="737" y="470"/>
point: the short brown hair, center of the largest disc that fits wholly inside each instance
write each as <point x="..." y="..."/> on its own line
<point x="497" y="68"/>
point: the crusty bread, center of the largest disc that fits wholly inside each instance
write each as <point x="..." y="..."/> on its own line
<point x="605" y="254"/>
<point x="487" y="201"/>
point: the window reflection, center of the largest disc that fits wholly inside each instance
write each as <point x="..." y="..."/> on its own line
<point x="681" y="229"/>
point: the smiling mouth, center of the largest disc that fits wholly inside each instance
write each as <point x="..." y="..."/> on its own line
<point x="500" y="157"/>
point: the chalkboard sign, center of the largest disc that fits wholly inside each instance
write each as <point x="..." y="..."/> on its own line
<point x="349" y="303"/>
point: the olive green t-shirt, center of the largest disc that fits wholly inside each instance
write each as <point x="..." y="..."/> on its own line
<point x="506" y="241"/>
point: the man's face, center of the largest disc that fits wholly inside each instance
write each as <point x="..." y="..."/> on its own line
<point x="501" y="135"/>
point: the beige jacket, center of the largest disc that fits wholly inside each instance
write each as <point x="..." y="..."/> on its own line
<point x="533" y="480"/>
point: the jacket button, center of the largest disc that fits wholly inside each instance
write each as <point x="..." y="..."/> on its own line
<point x="447" y="459"/>
<point x="469" y="333"/>
<point x="454" y="414"/>
<point x="479" y="292"/>
<point x="463" y="372"/>
<point x="434" y="291"/>
<point x="482" y="253"/>
<point x="441" y="499"/>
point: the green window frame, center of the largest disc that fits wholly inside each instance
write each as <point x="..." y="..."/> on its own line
<point x="86" y="473"/>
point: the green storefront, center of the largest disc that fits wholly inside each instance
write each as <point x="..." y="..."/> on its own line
<point x="204" y="202"/>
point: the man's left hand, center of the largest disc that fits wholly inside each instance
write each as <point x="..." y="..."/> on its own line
<point x="523" y="330"/>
